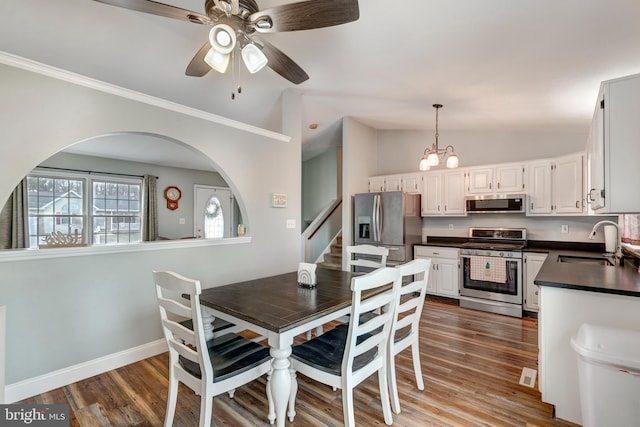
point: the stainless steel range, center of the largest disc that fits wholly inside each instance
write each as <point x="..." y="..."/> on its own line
<point x="491" y="270"/>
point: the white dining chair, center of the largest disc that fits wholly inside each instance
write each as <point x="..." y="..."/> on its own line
<point x="366" y="257"/>
<point x="406" y="323"/>
<point x="209" y="368"/>
<point x="346" y="355"/>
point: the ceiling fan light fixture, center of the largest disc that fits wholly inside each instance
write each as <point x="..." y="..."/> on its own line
<point x="222" y="38"/>
<point x="253" y="58"/>
<point x="216" y="60"/>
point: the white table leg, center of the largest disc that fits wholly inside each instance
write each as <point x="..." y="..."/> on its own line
<point x="207" y="323"/>
<point x="280" y="384"/>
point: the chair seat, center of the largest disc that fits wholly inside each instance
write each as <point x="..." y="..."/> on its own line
<point x="230" y="354"/>
<point x="326" y="351"/>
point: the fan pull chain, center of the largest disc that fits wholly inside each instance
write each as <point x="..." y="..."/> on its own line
<point x="235" y="75"/>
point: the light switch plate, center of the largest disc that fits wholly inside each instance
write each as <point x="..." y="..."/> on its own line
<point x="291" y="223"/>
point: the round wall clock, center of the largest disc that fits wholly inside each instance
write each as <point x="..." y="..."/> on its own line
<point x="172" y="194"/>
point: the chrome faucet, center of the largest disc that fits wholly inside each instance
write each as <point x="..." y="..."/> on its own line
<point x="618" y="250"/>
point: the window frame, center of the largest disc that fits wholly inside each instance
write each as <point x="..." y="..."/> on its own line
<point x="88" y="179"/>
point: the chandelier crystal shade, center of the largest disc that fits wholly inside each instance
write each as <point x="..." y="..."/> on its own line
<point x="434" y="155"/>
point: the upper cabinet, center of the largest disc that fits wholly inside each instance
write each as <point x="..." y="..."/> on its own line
<point x="443" y="193"/>
<point x="493" y="180"/>
<point x="613" y="148"/>
<point x="556" y="186"/>
<point x="409" y="183"/>
<point x="376" y="184"/>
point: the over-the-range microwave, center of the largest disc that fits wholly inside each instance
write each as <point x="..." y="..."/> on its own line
<point x="496" y="203"/>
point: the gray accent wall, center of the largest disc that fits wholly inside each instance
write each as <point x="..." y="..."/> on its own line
<point x="70" y="310"/>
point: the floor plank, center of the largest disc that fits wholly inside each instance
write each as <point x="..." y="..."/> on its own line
<point x="471" y="363"/>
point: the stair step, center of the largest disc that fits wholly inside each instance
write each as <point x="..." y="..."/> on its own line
<point x="333" y="258"/>
<point x="330" y="266"/>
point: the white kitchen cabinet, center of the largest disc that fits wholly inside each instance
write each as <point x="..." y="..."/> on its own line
<point x="393" y="183"/>
<point x="376" y="184"/>
<point x="532" y="263"/>
<point x="431" y="194"/>
<point x="539" y="191"/>
<point x="501" y="179"/>
<point x="409" y="183"/>
<point x="444" y="276"/>
<point x="568" y="185"/>
<point x="412" y="183"/>
<point x="613" y="147"/>
<point x="443" y="193"/>
<point x="556" y="186"/>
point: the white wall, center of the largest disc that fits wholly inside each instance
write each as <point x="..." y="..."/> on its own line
<point x="359" y="162"/>
<point x="68" y="311"/>
<point x="400" y="151"/>
<point x="319" y="183"/>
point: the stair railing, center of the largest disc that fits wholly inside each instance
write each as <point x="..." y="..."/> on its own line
<point x="317" y="237"/>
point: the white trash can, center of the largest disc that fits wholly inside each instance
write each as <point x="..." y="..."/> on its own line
<point x="609" y="375"/>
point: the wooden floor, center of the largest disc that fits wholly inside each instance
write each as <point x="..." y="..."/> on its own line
<point x="471" y="361"/>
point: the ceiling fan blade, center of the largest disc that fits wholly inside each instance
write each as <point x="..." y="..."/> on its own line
<point x="161" y="9"/>
<point x="305" y="15"/>
<point x="282" y="64"/>
<point x="197" y="67"/>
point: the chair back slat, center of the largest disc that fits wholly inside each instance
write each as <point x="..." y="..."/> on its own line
<point x="174" y="307"/>
<point x="184" y="334"/>
<point x="374" y="257"/>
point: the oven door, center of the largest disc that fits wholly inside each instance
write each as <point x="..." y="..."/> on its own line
<point x="474" y="284"/>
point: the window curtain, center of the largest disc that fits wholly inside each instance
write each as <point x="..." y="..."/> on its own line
<point x="14" y="229"/>
<point x="631" y="228"/>
<point x="150" y="222"/>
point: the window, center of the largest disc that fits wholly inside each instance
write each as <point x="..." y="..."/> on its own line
<point x="213" y="219"/>
<point x="63" y="213"/>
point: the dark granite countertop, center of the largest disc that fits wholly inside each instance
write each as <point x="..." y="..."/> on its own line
<point x="620" y="279"/>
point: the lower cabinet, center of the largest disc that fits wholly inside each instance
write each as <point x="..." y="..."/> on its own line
<point x="444" y="276"/>
<point x="532" y="263"/>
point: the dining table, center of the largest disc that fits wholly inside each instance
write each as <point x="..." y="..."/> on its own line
<point x="279" y="308"/>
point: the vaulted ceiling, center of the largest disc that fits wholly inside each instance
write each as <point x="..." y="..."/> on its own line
<point x="494" y="64"/>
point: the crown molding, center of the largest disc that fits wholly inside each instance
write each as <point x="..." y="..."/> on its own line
<point x="78" y="79"/>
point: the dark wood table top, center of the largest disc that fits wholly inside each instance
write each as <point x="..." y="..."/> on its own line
<point x="278" y="303"/>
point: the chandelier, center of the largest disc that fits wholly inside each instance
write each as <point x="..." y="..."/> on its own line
<point x="434" y="155"/>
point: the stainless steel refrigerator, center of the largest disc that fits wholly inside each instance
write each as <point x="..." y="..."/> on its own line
<point x="390" y="219"/>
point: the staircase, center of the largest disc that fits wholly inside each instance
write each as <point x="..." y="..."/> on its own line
<point x="333" y="260"/>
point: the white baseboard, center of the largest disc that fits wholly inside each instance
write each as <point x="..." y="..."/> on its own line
<point x="52" y="380"/>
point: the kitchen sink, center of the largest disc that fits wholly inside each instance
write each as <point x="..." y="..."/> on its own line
<point x="600" y="260"/>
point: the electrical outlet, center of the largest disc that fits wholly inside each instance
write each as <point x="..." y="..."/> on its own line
<point x="564" y="228"/>
<point x="182" y="221"/>
<point x="450" y="226"/>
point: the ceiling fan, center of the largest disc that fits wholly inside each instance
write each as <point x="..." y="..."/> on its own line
<point x="235" y="24"/>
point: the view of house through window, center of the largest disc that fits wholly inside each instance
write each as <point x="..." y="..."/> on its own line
<point x="61" y="211"/>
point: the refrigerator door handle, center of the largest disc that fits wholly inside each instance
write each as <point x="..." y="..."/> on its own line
<point x="373" y="217"/>
<point x="378" y="218"/>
